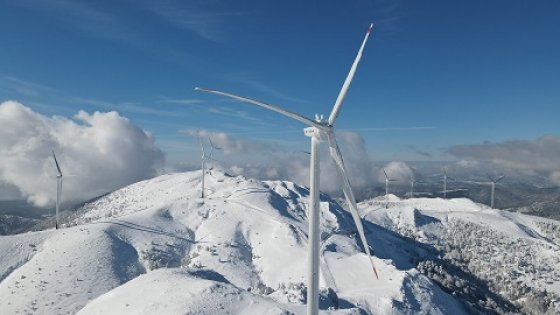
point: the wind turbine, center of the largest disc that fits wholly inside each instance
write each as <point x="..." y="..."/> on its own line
<point x="387" y="180"/>
<point x="493" y="188"/>
<point x="212" y="148"/>
<point x="58" y="188"/>
<point x="203" y="166"/>
<point x="445" y="178"/>
<point x="412" y="182"/>
<point x="411" y="185"/>
<point x="320" y="130"/>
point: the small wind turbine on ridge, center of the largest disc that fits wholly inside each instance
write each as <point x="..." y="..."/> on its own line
<point x="320" y="130"/>
<point x="212" y="148"/>
<point x="58" y="189"/>
<point x="387" y="180"/>
<point x="412" y="182"/>
<point x="445" y="178"/>
<point x="204" y="156"/>
<point x="493" y="188"/>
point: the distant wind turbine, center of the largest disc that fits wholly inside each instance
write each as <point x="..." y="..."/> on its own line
<point x="445" y="178"/>
<point x="411" y="186"/>
<point x="387" y="180"/>
<point x="204" y="156"/>
<point x="412" y="182"/>
<point x="320" y="130"/>
<point x="493" y="188"/>
<point x="58" y="189"/>
<point x="212" y="148"/>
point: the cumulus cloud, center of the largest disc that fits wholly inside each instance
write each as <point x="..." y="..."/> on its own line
<point x="97" y="152"/>
<point x="539" y="156"/>
<point x="229" y="144"/>
<point x="467" y="163"/>
<point x="294" y="166"/>
<point x="359" y="166"/>
<point x="396" y="170"/>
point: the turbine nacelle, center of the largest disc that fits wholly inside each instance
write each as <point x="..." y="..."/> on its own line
<point x="320" y="134"/>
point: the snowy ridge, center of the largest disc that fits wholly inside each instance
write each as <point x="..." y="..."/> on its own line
<point x="240" y="251"/>
<point x="496" y="260"/>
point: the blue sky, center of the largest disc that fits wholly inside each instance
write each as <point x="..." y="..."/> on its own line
<point x="465" y="72"/>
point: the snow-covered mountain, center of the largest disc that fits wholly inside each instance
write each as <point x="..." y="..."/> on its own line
<point x="492" y="259"/>
<point x="155" y="247"/>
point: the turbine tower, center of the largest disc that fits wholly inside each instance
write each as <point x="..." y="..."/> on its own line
<point x="58" y="189"/>
<point x="411" y="185"/>
<point x="387" y="180"/>
<point x="320" y="130"/>
<point x="203" y="166"/>
<point x="445" y="178"/>
<point x="493" y="188"/>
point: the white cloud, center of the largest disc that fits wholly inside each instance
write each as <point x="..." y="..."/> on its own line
<point x="22" y="87"/>
<point x="294" y="166"/>
<point x="103" y="151"/>
<point x="206" y="19"/>
<point x="398" y="171"/>
<point x="467" y="163"/>
<point x="531" y="156"/>
<point x="230" y="145"/>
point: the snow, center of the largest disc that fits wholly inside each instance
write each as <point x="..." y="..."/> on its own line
<point x="517" y="255"/>
<point x="157" y="247"/>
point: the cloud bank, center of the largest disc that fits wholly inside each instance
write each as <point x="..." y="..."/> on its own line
<point x="97" y="152"/>
<point x="275" y="163"/>
<point x="398" y="171"/>
<point x="538" y="156"/>
<point x="229" y="144"/>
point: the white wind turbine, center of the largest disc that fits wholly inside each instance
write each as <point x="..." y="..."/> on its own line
<point x="493" y="188"/>
<point x="319" y="130"/>
<point x="212" y="148"/>
<point x="387" y="180"/>
<point x="204" y="156"/>
<point x="444" y="183"/>
<point x="412" y="182"/>
<point x="445" y="178"/>
<point x="58" y="189"/>
<point x="412" y="185"/>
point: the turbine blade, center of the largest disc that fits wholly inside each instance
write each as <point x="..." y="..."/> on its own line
<point x="473" y="182"/>
<point x="201" y="146"/>
<point x="339" y="165"/>
<point x="57" y="166"/>
<point x="346" y="85"/>
<point x="212" y="144"/>
<point x="273" y="108"/>
<point x="500" y="178"/>
<point x="386" y="177"/>
<point x="213" y="159"/>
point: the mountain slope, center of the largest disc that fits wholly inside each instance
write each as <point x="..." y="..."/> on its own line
<point x="495" y="260"/>
<point x="156" y="247"/>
